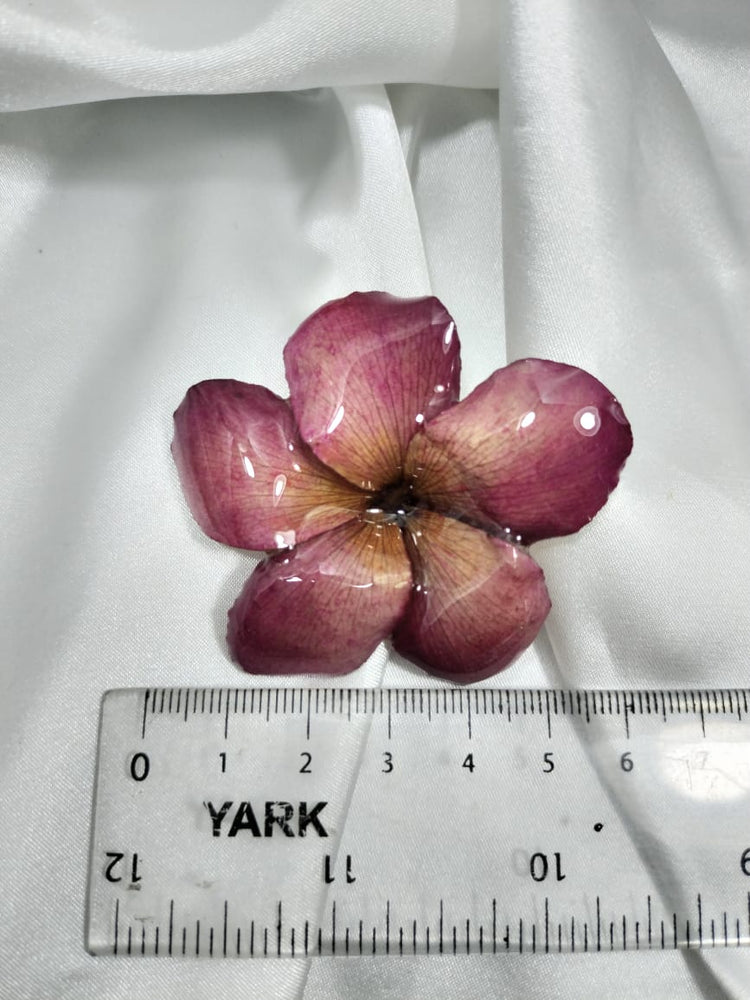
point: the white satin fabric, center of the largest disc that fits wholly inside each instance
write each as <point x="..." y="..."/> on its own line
<point x="572" y="179"/>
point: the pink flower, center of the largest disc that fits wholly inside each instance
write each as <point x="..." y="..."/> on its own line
<point x="387" y="507"/>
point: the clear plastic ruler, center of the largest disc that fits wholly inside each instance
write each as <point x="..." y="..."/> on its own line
<point x="293" y="822"/>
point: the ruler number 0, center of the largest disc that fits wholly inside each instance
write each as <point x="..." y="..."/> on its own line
<point x="140" y="765"/>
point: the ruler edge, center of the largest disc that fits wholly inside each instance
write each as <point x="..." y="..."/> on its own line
<point x="93" y="823"/>
<point x="701" y="699"/>
<point x="110" y="693"/>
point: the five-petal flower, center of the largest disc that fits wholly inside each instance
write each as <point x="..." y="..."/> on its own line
<point x="387" y="507"/>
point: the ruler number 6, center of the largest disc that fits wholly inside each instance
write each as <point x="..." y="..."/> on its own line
<point x="745" y="861"/>
<point x="626" y="761"/>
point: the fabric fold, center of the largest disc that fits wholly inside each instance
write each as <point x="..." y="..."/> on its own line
<point x="63" y="53"/>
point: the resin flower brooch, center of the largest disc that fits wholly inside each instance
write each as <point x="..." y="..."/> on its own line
<point x="386" y="507"/>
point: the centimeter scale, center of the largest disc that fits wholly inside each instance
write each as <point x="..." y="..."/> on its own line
<point x="303" y="822"/>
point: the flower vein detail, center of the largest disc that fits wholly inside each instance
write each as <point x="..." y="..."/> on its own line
<point x="386" y="506"/>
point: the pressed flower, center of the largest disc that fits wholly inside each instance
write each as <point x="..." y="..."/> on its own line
<point x="385" y="506"/>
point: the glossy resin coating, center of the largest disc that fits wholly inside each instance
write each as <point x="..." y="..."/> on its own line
<point x="389" y="508"/>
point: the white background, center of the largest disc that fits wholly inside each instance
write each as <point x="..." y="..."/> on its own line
<point x="180" y="185"/>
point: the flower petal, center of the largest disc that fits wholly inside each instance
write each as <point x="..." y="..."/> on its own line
<point x="478" y="601"/>
<point x="249" y="479"/>
<point x="537" y="447"/>
<point x="324" y="606"/>
<point x="364" y="373"/>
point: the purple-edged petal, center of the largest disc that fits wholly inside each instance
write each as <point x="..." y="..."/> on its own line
<point x="478" y="601"/>
<point x="536" y="448"/>
<point x="365" y="372"/>
<point x="249" y="479"/>
<point x="325" y="606"/>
